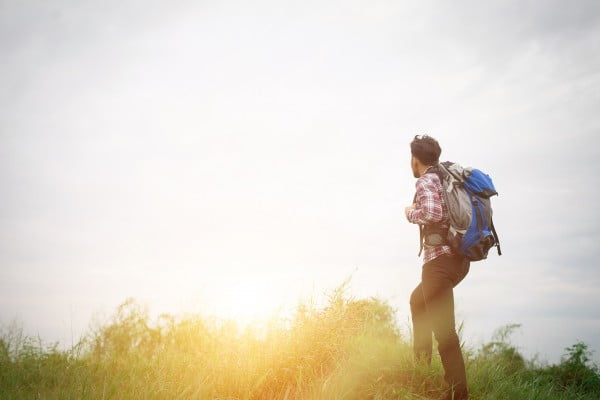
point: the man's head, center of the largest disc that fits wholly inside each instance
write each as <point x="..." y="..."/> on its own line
<point x="425" y="152"/>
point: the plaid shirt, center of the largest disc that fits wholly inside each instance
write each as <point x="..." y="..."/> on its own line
<point x="430" y="208"/>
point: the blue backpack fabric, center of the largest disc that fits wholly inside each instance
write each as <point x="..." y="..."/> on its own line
<point x="467" y="193"/>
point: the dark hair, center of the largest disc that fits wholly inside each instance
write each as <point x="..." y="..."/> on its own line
<point x="426" y="149"/>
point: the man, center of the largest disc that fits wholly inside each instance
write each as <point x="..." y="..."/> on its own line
<point x="432" y="301"/>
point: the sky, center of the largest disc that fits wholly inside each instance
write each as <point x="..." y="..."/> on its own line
<point x="233" y="158"/>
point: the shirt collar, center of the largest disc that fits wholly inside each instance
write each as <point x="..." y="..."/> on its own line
<point x="428" y="168"/>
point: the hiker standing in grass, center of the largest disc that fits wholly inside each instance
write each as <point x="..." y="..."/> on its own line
<point x="432" y="301"/>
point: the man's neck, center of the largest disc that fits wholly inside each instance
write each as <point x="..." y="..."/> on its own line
<point x="424" y="169"/>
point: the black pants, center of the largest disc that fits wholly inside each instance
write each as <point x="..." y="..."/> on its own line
<point x="432" y="309"/>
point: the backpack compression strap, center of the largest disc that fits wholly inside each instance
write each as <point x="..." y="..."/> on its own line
<point x="496" y="237"/>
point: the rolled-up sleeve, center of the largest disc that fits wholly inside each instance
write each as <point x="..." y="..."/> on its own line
<point x="428" y="208"/>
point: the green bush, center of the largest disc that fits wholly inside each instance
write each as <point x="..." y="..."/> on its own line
<point x="575" y="372"/>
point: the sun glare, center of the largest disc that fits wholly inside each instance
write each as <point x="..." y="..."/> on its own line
<point x="246" y="302"/>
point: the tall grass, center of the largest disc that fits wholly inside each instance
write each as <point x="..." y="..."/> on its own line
<point x="348" y="349"/>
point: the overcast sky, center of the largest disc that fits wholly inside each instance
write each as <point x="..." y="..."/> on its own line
<point x="227" y="156"/>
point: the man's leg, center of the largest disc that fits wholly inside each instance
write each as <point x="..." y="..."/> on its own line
<point x="422" y="329"/>
<point x="439" y="278"/>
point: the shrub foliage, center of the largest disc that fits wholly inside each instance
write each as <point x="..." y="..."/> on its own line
<point x="348" y="349"/>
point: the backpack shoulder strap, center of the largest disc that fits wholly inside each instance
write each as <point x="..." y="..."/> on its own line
<point x="421" y="233"/>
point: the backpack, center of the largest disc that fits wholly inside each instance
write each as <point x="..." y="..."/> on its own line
<point x="467" y="193"/>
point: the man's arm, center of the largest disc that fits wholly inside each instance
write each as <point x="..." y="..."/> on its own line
<point x="428" y="206"/>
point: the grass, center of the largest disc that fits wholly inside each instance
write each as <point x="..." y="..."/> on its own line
<point x="349" y="349"/>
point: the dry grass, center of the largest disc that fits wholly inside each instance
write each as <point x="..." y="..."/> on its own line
<point x="349" y="349"/>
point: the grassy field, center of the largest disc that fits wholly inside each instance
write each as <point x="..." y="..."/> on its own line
<point x="348" y="349"/>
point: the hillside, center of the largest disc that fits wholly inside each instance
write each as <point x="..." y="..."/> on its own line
<point x="349" y="349"/>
